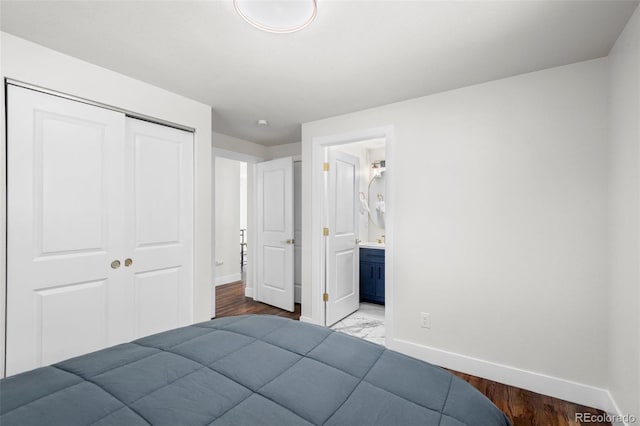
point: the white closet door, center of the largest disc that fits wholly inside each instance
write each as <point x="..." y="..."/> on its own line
<point x="65" y="227"/>
<point x="159" y="230"/>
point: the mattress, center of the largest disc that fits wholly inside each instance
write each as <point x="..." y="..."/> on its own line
<point x="244" y="370"/>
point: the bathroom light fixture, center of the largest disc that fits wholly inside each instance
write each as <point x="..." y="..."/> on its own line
<point x="277" y="16"/>
<point x="379" y="167"/>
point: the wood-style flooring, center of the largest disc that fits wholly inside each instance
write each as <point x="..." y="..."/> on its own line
<point x="523" y="407"/>
<point x="230" y="301"/>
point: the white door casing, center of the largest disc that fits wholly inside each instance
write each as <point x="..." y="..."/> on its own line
<point x="275" y="248"/>
<point x="159" y="225"/>
<point x="65" y="227"/>
<point x="81" y="195"/>
<point x="297" y="231"/>
<point x="342" y="285"/>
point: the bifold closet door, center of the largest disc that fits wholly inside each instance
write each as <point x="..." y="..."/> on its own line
<point x="159" y="226"/>
<point x="65" y="225"/>
<point x="99" y="232"/>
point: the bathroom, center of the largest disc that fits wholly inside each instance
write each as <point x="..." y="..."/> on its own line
<point x="368" y="321"/>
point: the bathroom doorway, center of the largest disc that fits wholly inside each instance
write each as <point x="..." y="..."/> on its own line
<point x="364" y="207"/>
<point x="369" y="257"/>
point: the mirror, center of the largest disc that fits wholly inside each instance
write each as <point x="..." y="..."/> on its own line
<point x="377" y="199"/>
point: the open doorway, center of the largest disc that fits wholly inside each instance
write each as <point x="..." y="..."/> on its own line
<point x="243" y="193"/>
<point x="230" y="221"/>
<point x="351" y="177"/>
<point x="356" y="210"/>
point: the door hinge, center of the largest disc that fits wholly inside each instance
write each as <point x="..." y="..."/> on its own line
<point x="325" y="167"/>
<point x="325" y="232"/>
<point x="325" y="297"/>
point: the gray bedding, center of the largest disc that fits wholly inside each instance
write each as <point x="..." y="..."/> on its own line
<point x="245" y="370"/>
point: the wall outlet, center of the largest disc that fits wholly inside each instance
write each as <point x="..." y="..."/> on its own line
<point x="219" y="262"/>
<point x="425" y="320"/>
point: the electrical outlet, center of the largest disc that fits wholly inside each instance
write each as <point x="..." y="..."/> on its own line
<point x="425" y="320"/>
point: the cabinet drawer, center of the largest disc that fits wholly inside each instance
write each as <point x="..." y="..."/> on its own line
<point x="372" y="255"/>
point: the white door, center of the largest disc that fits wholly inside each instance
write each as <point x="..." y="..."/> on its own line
<point x="158" y="252"/>
<point x="274" y="259"/>
<point x="65" y="222"/>
<point x="343" y="270"/>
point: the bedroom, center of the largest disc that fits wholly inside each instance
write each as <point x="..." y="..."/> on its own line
<point x="538" y="287"/>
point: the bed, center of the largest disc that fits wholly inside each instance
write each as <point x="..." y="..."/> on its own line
<point x="244" y="370"/>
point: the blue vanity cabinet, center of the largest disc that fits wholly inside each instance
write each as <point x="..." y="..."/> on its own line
<point x="372" y="275"/>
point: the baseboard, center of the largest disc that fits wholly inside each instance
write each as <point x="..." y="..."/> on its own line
<point x="306" y="319"/>
<point x="567" y="390"/>
<point x="619" y="418"/>
<point x="226" y="279"/>
<point x="297" y="293"/>
<point x="248" y="292"/>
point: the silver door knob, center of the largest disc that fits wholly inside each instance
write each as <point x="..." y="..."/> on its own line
<point x="358" y="240"/>
<point x="115" y="264"/>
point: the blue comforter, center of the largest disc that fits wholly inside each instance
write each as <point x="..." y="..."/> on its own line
<point x="244" y="370"/>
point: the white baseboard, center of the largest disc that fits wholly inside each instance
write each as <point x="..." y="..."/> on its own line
<point x="226" y="279"/>
<point x="615" y="411"/>
<point x="306" y="319"/>
<point x="248" y="292"/>
<point x="297" y="293"/>
<point x="567" y="390"/>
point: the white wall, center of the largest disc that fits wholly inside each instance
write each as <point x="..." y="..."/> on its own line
<point x="227" y="220"/>
<point x="624" y="300"/>
<point x="500" y="234"/>
<point x="375" y="231"/>
<point x="241" y="146"/>
<point x="31" y="63"/>
<point x="285" y="150"/>
<point x="243" y="195"/>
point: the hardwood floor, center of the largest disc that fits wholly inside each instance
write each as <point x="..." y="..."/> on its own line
<point x="523" y="407"/>
<point x="526" y="408"/>
<point x="230" y="301"/>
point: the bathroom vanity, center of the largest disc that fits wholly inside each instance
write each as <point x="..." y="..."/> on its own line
<point x="372" y="273"/>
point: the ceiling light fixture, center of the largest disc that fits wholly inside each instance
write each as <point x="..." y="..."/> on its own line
<point x="277" y="16"/>
<point x="262" y="122"/>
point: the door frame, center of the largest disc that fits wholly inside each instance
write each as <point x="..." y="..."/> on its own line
<point x="251" y="161"/>
<point x="319" y="217"/>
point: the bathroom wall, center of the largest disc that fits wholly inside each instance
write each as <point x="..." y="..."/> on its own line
<point x="376" y="154"/>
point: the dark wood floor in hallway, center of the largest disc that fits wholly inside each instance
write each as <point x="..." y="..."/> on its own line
<point x="230" y="301"/>
<point x="523" y="407"/>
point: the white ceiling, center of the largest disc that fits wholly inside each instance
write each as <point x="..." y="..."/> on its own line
<point x="355" y="55"/>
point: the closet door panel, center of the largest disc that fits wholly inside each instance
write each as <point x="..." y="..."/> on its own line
<point x="160" y="225"/>
<point x="65" y="227"/>
<point x="158" y="172"/>
<point x="156" y="293"/>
